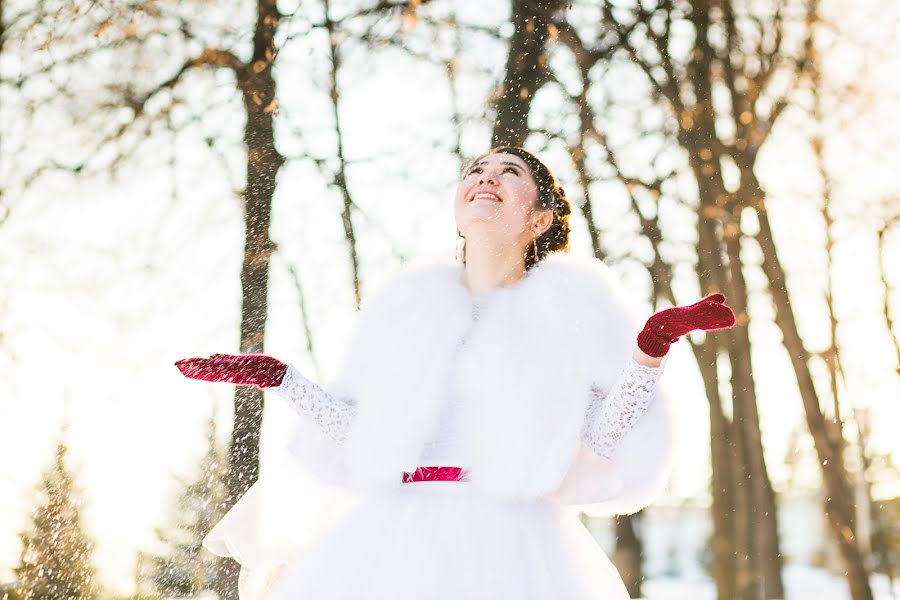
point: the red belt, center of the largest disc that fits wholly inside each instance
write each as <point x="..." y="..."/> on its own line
<point x="435" y="474"/>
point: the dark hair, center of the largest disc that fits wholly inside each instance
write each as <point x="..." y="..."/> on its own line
<point x="550" y="195"/>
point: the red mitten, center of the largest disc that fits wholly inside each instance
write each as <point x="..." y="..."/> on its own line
<point x="242" y="369"/>
<point x="666" y="326"/>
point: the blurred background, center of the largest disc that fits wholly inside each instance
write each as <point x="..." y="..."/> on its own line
<point x="185" y="177"/>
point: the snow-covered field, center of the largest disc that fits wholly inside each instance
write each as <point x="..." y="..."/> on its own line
<point x="802" y="583"/>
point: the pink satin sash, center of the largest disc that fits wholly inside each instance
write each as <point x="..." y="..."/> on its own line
<point x="435" y="474"/>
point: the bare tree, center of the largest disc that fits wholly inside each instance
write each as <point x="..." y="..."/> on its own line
<point x="741" y="487"/>
<point x="725" y="93"/>
<point x="123" y="31"/>
<point x="144" y="97"/>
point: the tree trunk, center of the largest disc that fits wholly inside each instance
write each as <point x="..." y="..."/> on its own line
<point x="839" y="506"/>
<point x="340" y="176"/>
<point x="732" y="547"/>
<point x="526" y="69"/>
<point x="724" y="569"/>
<point x="756" y="560"/>
<point x="757" y="564"/>
<point x="763" y="529"/>
<point x="263" y="162"/>
<point x="627" y="557"/>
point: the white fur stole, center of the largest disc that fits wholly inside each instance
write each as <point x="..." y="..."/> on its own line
<point x="525" y="373"/>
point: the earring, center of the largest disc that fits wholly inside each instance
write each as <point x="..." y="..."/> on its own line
<point x="534" y="241"/>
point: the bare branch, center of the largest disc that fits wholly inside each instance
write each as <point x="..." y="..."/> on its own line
<point x="889" y="224"/>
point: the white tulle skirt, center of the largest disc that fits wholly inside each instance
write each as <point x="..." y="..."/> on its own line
<point x="444" y="540"/>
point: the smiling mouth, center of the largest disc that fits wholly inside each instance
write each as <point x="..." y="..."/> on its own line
<point x="485" y="196"/>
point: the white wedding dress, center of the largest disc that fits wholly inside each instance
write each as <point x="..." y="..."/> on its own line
<point x="444" y="540"/>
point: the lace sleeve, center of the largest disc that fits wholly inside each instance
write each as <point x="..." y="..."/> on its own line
<point x="610" y="416"/>
<point x="332" y="415"/>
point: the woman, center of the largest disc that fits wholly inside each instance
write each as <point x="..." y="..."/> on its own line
<point x="474" y="404"/>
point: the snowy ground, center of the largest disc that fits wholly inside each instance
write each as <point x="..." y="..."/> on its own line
<point x="802" y="583"/>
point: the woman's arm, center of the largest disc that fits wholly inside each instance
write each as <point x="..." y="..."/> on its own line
<point x="611" y="415"/>
<point x="645" y="359"/>
<point x="332" y="415"/>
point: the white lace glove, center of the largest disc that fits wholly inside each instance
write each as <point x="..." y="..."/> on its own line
<point x="331" y="414"/>
<point x="610" y="416"/>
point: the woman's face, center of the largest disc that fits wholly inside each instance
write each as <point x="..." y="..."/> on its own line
<point x="495" y="202"/>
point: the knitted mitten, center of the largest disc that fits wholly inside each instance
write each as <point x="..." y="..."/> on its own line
<point x="666" y="326"/>
<point x="242" y="369"/>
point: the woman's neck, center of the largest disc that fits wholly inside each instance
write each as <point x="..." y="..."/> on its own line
<point x="487" y="269"/>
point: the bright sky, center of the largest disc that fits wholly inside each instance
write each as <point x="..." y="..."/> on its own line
<point x="108" y="283"/>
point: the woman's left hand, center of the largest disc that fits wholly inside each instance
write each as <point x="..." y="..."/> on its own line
<point x="666" y="326"/>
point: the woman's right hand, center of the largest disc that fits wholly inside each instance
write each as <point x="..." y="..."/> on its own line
<point x="242" y="369"/>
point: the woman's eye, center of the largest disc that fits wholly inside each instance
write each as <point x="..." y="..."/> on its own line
<point x="505" y="169"/>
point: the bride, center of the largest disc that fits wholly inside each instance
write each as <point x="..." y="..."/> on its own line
<point x="475" y="405"/>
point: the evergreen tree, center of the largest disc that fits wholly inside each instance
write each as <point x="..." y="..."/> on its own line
<point x="55" y="563"/>
<point x="185" y="568"/>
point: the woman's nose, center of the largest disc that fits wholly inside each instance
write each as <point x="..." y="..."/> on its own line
<point x="485" y="176"/>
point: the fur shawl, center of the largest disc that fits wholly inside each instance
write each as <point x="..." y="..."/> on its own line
<point x="525" y="371"/>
